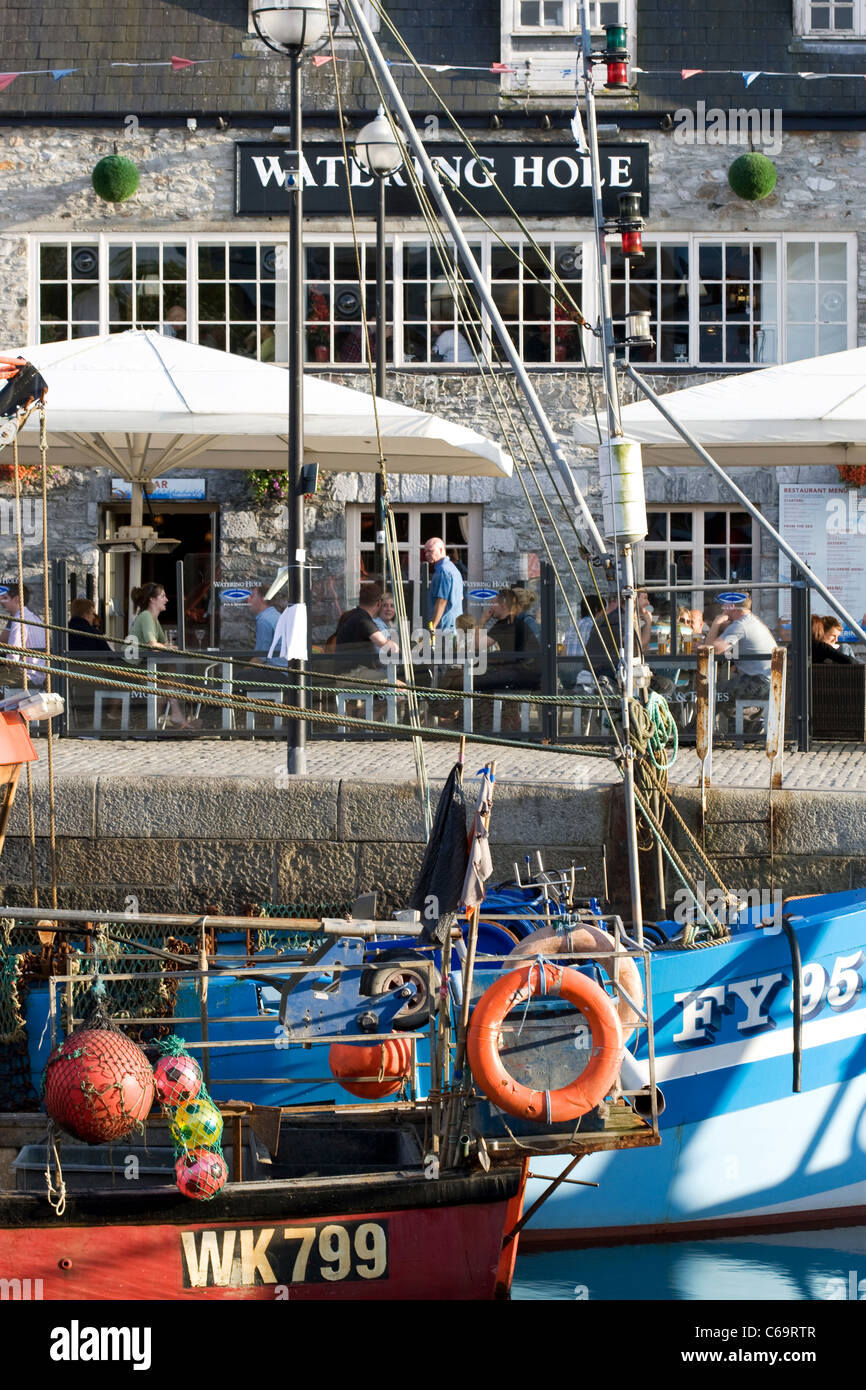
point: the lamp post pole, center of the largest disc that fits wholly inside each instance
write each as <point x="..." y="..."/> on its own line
<point x="378" y="151"/>
<point x="288" y="27"/>
<point x="296" y="558"/>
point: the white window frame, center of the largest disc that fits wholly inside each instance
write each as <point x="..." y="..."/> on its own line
<point x="474" y="512"/>
<point x="803" y="21"/>
<point x="571" y="12"/>
<point x="587" y="299"/>
<point x="698" y="546"/>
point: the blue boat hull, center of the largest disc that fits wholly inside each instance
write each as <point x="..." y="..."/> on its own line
<point x="739" y="1148"/>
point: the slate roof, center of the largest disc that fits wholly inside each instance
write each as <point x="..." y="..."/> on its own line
<point x="672" y="34"/>
<point x="92" y="36"/>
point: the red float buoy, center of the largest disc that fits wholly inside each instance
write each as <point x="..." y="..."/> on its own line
<point x="201" y="1174"/>
<point x="388" y="1060"/>
<point x="98" y="1084"/>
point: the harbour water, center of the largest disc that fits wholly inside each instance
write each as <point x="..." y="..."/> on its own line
<point x="797" y="1266"/>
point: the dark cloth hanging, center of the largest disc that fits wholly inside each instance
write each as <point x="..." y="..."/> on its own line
<point x="436" y="894"/>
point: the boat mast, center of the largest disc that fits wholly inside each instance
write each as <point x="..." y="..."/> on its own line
<point x="378" y="62"/>
<point x="624" y="545"/>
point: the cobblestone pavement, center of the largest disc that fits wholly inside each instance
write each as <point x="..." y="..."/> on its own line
<point x="831" y="767"/>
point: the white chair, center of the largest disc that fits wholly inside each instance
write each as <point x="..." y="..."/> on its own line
<point x="740" y="707"/>
<point x="274" y="696"/>
<point x="101" y="695"/>
<point x="368" y="696"/>
<point x="525" y="709"/>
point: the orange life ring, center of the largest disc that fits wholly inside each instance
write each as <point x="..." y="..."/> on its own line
<point x="586" y="1090"/>
<point x="590" y="938"/>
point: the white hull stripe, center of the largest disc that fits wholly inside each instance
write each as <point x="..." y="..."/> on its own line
<point x="772" y="1042"/>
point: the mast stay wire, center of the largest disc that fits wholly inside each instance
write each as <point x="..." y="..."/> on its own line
<point x="392" y="554"/>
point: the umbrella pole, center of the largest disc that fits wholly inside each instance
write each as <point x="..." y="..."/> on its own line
<point x="136" y="518"/>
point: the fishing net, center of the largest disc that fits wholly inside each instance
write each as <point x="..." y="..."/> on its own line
<point x="98" y="1084"/>
<point x="17" y="1091"/>
<point x="196" y="1124"/>
<point x="282" y="940"/>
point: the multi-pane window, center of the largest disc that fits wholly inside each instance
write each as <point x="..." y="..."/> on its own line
<point x="460" y="527"/>
<point x="708" y="546"/>
<point x="657" y="283"/>
<point x="830" y="18"/>
<point x="723" y="301"/>
<point x="733" y="302"/>
<point x="816" y="299"/>
<point x="565" y="14"/>
<point x="334" y="320"/>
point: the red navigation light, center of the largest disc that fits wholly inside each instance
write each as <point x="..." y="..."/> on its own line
<point x="617" y="75"/>
<point x="632" y="245"/>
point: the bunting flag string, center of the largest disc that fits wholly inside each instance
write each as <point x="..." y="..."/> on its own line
<point x="178" y="64"/>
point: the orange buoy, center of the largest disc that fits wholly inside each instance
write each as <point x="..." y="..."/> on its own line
<point x="386" y="1063"/>
<point x="586" y="1090"/>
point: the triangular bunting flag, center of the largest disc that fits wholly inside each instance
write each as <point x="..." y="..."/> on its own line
<point x="57" y="73"/>
<point x="178" y="63"/>
<point x="750" y="77"/>
<point x="322" y="59"/>
<point x="6" y="78"/>
<point x="689" y="72"/>
<point x="501" y="67"/>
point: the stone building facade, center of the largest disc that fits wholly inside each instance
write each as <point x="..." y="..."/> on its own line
<point x="732" y="285"/>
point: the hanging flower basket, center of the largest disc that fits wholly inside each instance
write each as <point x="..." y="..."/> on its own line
<point x="854" y="474"/>
<point x="267" y="486"/>
<point x="29" y="476"/>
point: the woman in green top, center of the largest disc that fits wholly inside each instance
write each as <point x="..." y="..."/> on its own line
<point x="150" y="601"/>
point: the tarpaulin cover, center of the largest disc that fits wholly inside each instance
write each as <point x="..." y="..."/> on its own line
<point x="437" y="893"/>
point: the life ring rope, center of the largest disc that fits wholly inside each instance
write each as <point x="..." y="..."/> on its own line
<point x="586" y="1090"/>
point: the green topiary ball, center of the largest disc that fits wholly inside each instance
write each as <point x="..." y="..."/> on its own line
<point x="115" y="178"/>
<point x="752" y="176"/>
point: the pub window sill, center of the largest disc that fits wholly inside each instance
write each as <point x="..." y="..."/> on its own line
<point x="856" y="44"/>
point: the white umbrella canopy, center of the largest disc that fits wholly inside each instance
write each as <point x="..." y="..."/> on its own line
<point x="145" y="405"/>
<point x="809" y="412"/>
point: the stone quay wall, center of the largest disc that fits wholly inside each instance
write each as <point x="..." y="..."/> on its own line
<point x="225" y="845"/>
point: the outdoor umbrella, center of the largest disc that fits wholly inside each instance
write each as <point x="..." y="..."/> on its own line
<point x="809" y="412"/>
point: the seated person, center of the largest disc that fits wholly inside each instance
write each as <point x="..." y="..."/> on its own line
<point x="736" y="633"/>
<point x="23" y="630"/>
<point x="387" y="618"/>
<point x="358" y="642"/>
<point x="512" y="634"/>
<point x="826" y="632"/>
<point x="84" y="621"/>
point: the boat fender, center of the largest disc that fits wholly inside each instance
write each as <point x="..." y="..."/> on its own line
<point x="582" y="1094"/>
<point x="586" y="938"/>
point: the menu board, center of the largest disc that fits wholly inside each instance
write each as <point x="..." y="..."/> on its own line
<point x="826" y="525"/>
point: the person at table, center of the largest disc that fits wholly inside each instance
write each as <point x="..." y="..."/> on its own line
<point x="150" y="601"/>
<point x="358" y="642"/>
<point x="737" y="634"/>
<point x="23" y="630"/>
<point x="84" y="627"/>
<point x="826" y="632"/>
<point x="512" y="635"/>
<point x="445" y="592"/>
<point x="267" y="616"/>
<point x="386" y="621"/>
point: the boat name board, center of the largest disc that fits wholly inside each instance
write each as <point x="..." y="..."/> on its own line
<point x="836" y="989"/>
<point x="239" y="1257"/>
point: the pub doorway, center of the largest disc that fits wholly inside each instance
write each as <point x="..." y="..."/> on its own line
<point x="195" y="527"/>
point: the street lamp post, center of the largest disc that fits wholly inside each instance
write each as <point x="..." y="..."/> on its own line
<point x="380" y="153"/>
<point x="288" y="27"/>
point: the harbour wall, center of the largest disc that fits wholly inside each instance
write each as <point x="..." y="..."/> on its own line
<point x="226" y="845"/>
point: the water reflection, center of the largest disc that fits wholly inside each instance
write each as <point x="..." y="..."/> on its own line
<point x="798" y="1266"/>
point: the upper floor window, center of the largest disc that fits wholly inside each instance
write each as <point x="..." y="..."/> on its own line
<point x="565" y="14"/>
<point x="826" y="19"/>
<point x="538" y="43"/>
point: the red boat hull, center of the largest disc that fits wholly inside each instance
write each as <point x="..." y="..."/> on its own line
<point x="436" y="1252"/>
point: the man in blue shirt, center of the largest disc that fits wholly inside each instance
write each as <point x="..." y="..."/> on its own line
<point x="267" y="617"/>
<point x="445" y="594"/>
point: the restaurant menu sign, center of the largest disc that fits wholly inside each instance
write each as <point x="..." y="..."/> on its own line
<point x="826" y="524"/>
<point x="538" y="180"/>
